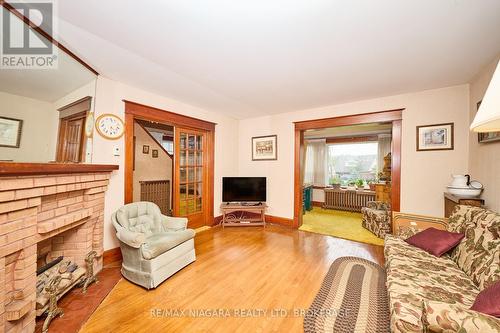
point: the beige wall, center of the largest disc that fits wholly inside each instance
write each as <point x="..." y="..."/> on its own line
<point x="424" y="174"/>
<point x="147" y="167"/>
<point x="109" y="99"/>
<point x="484" y="159"/>
<point x="39" y="132"/>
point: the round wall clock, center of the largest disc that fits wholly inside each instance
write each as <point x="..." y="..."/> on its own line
<point x="110" y="126"/>
<point x="89" y="125"/>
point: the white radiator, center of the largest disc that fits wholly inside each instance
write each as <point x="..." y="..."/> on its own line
<point x="348" y="200"/>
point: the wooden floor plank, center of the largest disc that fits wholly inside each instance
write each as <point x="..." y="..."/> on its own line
<point x="271" y="269"/>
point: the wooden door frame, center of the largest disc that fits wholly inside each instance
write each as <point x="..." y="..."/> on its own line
<point x="135" y="111"/>
<point x="393" y="116"/>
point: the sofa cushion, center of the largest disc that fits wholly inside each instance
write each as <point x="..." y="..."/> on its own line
<point x="478" y="254"/>
<point x="442" y="317"/>
<point x="160" y="243"/>
<point x="414" y="275"/>
<point x="488" y="301"/>
<point x="436" y="242"/>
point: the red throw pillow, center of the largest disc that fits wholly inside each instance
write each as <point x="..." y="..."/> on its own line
<point x="488" y="301"/>
<point x="435" y="241"/>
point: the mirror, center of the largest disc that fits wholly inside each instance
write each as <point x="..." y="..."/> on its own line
<point x="44" y="111"/>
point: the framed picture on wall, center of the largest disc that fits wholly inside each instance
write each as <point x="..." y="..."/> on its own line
<point x="487" y="137"/>
<point x="10" y="132"/>
<point x="265" y="148"/>
<point x="154" y="153"/>
<point x="145" y="149"/>
<point x="435" y="137"/>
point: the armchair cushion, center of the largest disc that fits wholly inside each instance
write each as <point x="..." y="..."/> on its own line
<point x="160" y="243"/>
<point x="443" y="317"/>
<point x="133" y="239"/>
<point x="174" y="223"/>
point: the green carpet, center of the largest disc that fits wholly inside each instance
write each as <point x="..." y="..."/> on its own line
<point x="339" y="224"/>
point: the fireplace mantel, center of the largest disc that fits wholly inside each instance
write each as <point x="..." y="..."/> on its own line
<point x="57" y="209"/>
<point x="21" y="169"/>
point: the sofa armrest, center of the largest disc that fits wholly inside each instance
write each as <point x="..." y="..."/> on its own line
<point x="405" y="225"/>
<point x="133" y="239"/>
<point x="174" y="223"/>
<point x="443" y="317"/>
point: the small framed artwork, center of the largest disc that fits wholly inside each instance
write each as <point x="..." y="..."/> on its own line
<point x="145" y="149"/>
<point x="487" y="137"/>
<point x="154" y="153"/>
<point x="435" y="137"/>
<point x="265" y="148"/>
<point x="10" y="132"/>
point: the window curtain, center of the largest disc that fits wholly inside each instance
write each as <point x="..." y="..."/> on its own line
<point x="384" y="148"/>
<point x="315" y="164"/>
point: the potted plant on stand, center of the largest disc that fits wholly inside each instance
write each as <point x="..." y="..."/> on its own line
<point x="335" y="182"/>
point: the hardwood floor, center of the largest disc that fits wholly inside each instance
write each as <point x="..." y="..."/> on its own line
<point x="275" y="268"/>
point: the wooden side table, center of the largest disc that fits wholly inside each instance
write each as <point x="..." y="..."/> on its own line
<point x="383" y="193"/>
<point x="451" y="200"/>
<point x="233" y="215"/>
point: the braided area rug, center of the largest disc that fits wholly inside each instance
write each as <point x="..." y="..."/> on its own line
<point x="352" y="298"/>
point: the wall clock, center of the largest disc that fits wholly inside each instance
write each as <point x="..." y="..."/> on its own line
<point x="110" y="126"/>
<point x="89" y="125"/>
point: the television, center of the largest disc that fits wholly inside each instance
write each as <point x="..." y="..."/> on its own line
<point x="243" y="189"/>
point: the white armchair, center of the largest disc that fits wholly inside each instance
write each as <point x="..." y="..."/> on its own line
<point x="153" y="246"/>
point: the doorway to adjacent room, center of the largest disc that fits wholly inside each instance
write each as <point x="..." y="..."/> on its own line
<point x="178" y="152"/>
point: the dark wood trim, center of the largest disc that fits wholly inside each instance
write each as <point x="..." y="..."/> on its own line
<point x="135" y="111"/>
<point x="364" y="118"/>
<point x="152" y="138"/>
<point x="351" y="139"/>
<point x="317" y="203"/>
<point x="279" y="220"/>
<point x="297" y="181"/>
<point x="319" y="187"/>
<point x="435" y="125"/>
<point x="141" y="111"/>
<point x="86" y="103"/>
<point x="111" y="256"/>
<point x="24" y="169"/>
<point x="42" y="32"/>
<point x="394" y="116"/>
<point x="397" y="134"/>
<point x="129" y="157"/>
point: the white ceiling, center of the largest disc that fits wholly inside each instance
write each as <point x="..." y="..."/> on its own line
<point x="251" y="58"/>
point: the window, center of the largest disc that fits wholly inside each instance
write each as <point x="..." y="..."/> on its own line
<point x="349" y="163"/>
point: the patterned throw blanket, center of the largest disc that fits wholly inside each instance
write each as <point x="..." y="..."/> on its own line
<point x="352" y="298"/>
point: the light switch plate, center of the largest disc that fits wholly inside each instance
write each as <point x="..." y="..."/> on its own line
<point x="116" y="151"/>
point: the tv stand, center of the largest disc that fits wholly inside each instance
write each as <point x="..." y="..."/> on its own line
<point x="233" y="215"/>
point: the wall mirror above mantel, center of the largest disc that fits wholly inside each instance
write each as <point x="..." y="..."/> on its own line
<point x="46" y="115"/>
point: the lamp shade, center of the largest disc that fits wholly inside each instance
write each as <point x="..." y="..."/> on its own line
<point x="488" y="116"/>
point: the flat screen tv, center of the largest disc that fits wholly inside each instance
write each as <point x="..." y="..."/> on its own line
<point x="243" y="189"/>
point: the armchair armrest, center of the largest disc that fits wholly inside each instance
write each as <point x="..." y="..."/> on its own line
<point x="406" y="225"/>
<point x="174" y="223"/>
<point x="444" y="317"/>
<point x="133" y="239"/>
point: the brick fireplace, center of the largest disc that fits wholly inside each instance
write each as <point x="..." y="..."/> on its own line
<point x="43" y="217"/>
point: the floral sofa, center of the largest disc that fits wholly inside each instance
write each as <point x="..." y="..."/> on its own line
<point x="434" y="294"/>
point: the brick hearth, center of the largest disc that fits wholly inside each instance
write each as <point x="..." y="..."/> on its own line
<point x="54" y="214"/>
